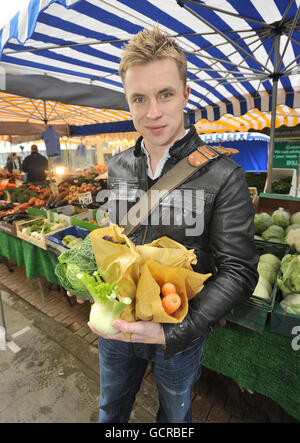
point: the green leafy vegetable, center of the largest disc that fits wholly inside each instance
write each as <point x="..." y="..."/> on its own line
<point x="281" y="217"/>
<point x="291" y="304"/>
<point x="78" y="259"/>
<point x="295" y="218"/>
<point x="289" y="279"/>
<point x="274" y="231"/>
<point x="106" y="308"/>
<point x="262" y="221"/>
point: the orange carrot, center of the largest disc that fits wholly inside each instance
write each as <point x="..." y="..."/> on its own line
<point x="171" y="303"/>
<point x="168" y="288"/>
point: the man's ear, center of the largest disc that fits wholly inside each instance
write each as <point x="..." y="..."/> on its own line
<point x="187" y="92"/>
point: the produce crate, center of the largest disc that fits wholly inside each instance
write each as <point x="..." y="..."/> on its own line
<point x="37" y="212"/>
<point x="278" y="173"/>
<point x="253" y="313"/>
<point x="93" y="214"/>
<point x="270" y="202"/>
<point x="41" y="243"/>
<point x="54" y="241"/>
<point x="11" y="228"/>
<point x="282" y="322"/>
<point x="66" y="213"/>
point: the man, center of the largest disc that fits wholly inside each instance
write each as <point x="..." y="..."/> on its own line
<point x="35" y="165"/>
<point x="153" y="71"/>
<point x="13" y="163"/>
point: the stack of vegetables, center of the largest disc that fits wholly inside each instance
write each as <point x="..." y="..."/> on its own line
<point x="280" y="227"/>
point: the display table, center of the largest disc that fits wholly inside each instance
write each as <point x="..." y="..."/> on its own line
<point x="264" y="363"/>
<point x="38" y="262"/>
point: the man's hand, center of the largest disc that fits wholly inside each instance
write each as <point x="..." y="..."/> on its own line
<point x="140" y="332"/>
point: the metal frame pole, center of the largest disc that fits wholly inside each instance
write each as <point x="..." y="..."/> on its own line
<point x="273" y="114"/>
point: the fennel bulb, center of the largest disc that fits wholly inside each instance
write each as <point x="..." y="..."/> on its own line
<point x="106" y="308"/>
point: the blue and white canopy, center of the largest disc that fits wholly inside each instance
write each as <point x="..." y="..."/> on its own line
<point x="69" y="50"/>
<point x="253" y="148"/>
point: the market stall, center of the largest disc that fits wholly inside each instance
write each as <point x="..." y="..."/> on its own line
<point x="229" y="351"/>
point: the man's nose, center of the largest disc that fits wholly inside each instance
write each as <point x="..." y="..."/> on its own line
<point x="154" y="111"/>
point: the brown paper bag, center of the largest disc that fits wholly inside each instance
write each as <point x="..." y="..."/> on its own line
<point x="167" y="252"/>
<point x="148" y="301"/>
<point x="120" y="262"/>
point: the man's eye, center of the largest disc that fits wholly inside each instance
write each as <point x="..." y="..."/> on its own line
<point x="139" y="100"/>
<point x="165" y="94"/>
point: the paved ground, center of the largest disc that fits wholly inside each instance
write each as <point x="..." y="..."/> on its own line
<point x="49" y="371"/>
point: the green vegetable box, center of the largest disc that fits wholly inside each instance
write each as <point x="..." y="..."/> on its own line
<point x="253" y="314"/>
<point x="284" y="323"/>
<point x="286" y="314"/>
<point x="36" y="231"/>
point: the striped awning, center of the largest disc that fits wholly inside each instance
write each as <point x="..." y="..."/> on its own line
<point x="21" y="109"/>
<point x="238" y="136"/>
<point x="55" y="47"/>
<point x="252" y="120"/>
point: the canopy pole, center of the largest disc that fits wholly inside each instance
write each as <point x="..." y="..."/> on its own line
<point x="273" y="114"/>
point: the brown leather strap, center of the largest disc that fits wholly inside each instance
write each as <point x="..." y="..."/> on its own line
<point x="184" y="169"/>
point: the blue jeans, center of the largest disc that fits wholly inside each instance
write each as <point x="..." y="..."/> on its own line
<point x="122" y="368"/>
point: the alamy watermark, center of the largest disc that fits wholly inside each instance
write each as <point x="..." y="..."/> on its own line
<point x="183" y="207"/>
<point x="296" y="339"/>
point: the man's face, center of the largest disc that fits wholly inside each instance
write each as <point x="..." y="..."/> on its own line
<point x="156" y="97"/>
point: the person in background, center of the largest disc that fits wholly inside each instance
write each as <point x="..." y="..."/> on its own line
<point x="13" y="163"/>
<point x="35" y="165"/>
<point x="153" y="70"/>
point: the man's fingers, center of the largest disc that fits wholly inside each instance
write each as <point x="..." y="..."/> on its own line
<point x="77" y="299"/>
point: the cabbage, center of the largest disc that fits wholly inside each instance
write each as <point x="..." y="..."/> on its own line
<point x="295" y="218"/>
<point x="291" y="304"/>
<point x="267" y="271"/>
<point x="273" y="232"/>
<point x="73" y="261"/>
<point x="281" y="217"/>
<point x="271" y="259"/>
<point x="262" y="221"/>
<point x="289" y="280"/>
<point x="293" y="239"/>
<point x="291" y="227"/>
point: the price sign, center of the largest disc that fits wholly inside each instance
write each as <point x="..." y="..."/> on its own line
<point x="85" y="198"/>
<point x="54" y="188"/>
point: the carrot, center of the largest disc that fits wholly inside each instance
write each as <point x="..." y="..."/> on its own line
<point x="171" y="303"/>
<point x="168" y="288"/>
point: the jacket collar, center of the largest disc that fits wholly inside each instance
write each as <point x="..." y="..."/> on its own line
<point x="180" y="148"/>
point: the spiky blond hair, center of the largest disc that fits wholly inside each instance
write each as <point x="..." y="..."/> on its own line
<point x="149" y="45"/>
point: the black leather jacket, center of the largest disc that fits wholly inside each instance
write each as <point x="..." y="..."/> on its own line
<point x="226" y="246"/>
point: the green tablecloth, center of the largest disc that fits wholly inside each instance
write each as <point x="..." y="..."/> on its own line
<point x="265" y="363"/>
<point x="38" y="262"/>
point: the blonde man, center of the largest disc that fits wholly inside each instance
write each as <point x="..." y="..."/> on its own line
<point x="153" y="71"/>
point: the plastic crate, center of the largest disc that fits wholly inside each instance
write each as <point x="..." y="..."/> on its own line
<point x="54" y="241"/>
<point x="282" y="322"/>
<point x="253" y="313"/>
